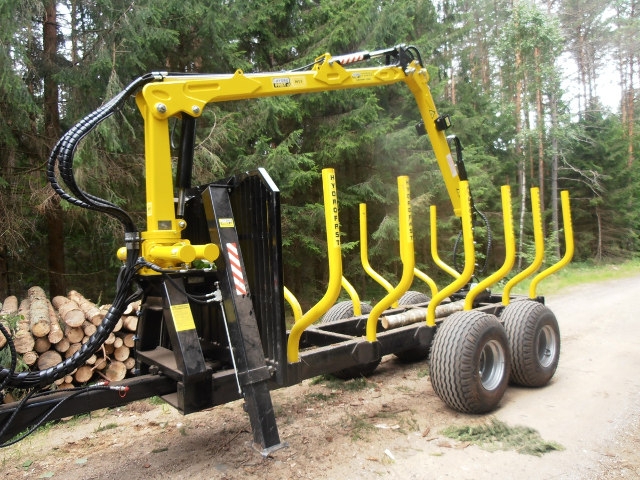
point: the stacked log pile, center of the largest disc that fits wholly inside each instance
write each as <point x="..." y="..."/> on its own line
<point x="45" y="332"/>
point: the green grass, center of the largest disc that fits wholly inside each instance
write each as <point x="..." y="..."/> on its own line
<point x="499" y="436"/>
<point x="108" y="426"/>
<point x="359" y="427"/>
<point x="580" y="273"/>
<point x="333" y="383"/>
<point x="155" y="400"/>
<point x="319" y="397"/>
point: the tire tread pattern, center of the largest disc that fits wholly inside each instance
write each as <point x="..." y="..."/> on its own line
<point x="454" y="361"/>
<point x="522" y="321"/>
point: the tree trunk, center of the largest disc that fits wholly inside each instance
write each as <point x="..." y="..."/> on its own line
<point x="74" y="334"/>
<point x="23" y="339"/>
<point x="9" y="306"/>
<point x="30" y="358"/>
<point x="540" y="128"/>
<point x="130" y="323"/>
<point x="599" y="237"/>
<point x="4" y="272"/>
<point x="522" y="175"/>
<point x="121" y="353"/>
<point x="83" y="374"/>
<point x="91" y="312"/>
<point x="42" y="344"/>
<point x="630" y="112"/>
<point x="116" y="371"/>
<point x="55" y="333"/>
<point x="54" y="214"/>
<point x="554" y="173"/>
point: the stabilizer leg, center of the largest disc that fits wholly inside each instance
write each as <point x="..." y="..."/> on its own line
<point x="244" y="335"/>
<point x="168" y="304"/>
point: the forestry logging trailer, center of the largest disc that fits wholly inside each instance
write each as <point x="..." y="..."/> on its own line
<point x="207" y="336"/>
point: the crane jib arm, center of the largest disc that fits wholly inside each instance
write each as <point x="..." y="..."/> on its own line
<point x="179" y="94"/>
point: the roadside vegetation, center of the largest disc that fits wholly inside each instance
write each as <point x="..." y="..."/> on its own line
<point x="585" y="272"/>
<point x="525" y="100"/>
<point x="497" y="435"/>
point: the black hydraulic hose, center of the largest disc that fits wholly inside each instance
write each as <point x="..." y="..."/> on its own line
<point x="13" y="353"/>
<point x="62" y="156"/>
<point x="414" y="50"/>
<point x="488" y="248"/>
<point x="45" y="377"/>
<point x="69" y="394"/>
<point x="64" y="151"/>
<point x="489" y="242"/>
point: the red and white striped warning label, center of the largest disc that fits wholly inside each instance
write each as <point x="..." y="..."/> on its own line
<point x="349" y="58"/>
<point x="236" y="269"/>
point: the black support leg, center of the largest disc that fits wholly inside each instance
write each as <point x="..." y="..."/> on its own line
<point x="253" y="373"/>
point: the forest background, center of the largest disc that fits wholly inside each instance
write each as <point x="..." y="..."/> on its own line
<point x="522" y="82"/>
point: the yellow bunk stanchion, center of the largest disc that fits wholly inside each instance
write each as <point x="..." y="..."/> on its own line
<point x="364" y="254"/>
<point x="335" y="266"/>
<point x="434" y="245"/>
<point x="406" y="255"/>
<point x="353" y="295"/>
<point x="510" y="251"/>
<point x="538" y="237"/>
<point x="426" y="279"/>
<point x="469" y="256"/>
<point x="568" y="240"/>
<point x="293" y="303"/>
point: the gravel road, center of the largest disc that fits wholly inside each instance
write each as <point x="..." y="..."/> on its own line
<point x="592" y="405"/>
<point x="391" y="429"/>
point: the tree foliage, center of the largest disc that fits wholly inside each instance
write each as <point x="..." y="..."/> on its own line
<point x="496" y="68"/>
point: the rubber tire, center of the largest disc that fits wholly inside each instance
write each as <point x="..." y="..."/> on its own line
<point x="412" y="297"/>
<point x="534" y="338"/>
<point x="340" y="311"/>
<point x="460" y="348"/>
<point x="416" y="354"/>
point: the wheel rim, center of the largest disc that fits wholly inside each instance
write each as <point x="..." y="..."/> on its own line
<point x="547" y="346"/>
<point x="491" y="365"/>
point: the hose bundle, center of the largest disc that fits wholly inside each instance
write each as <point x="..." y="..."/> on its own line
<point x="62" y="158"/>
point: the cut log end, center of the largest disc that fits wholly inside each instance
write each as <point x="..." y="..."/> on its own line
<point x="116" y="371"/>
<point x="49" y="359"/>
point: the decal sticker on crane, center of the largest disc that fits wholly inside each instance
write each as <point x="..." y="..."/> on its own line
<point x="236" y="269"/>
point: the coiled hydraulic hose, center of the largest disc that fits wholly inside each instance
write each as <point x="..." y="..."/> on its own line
<point x="62" y="158"/>
<point x="64" y="150"/>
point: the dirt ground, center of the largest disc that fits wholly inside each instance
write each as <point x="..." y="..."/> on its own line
<point x="389" y="426"/>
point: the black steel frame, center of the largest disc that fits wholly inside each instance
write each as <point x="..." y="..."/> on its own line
<point x="198" y="355"/>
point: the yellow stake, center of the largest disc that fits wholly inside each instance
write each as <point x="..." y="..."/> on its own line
<point x="539" y="242"/>
<point x="406" y="255"/>
<point x="353" y="295"/>
<point x="293" y="303"/>
<point x="426" y="279"/>
<point x="568" y="240"/>
<point x="510" y="251"/>
<point x="332" y="223"/>
<point x="364" y="253"/>
<point x="469" y="256"/>
<point x="434" y="245"/>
